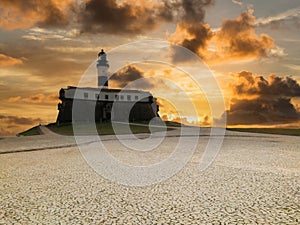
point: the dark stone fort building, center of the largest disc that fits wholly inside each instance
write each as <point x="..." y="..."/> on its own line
<point x="101" y="104"/>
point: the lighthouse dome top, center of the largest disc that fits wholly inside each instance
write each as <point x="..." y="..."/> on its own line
<point x="101" y="53"/>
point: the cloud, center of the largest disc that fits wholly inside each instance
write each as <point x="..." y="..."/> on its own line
<point x="262" y="111"/>
<point x="206" y="121"/>
<point x="44" y="34"/>
<point x="52" y="98"/>
<point x="251" y="85"/>
<point x="235" y="40"/>
<point x="130" y="74"/>
<point x="183" y="120"/>
<point x="191" y="11"/>
<point x="193" y="36"/>
<point x="6" y="132"/>
<point x="42" y="61"/>
<point x="14" y="99"/>
<point x="95" y="16"/>
<point x="134" y="17"/>
<point x="6" y="61"/>
<point x="109" y="16"/>
<point x="237" y="2"/>
<point x="257" y="100"/>
<point x="280" y="19"/>
<point x="11" y="124"/>
<point x="38" y="98"/>
<point x="169" y="112"/>
<point x="16" y="120"/>
<point x="191" y="31"/>
<point x="25" y="14"/>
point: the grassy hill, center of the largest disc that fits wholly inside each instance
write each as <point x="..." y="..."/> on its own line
<point x="143" y="127"/>
<point x="102" y="128"/>
<point x="30" y="132"/>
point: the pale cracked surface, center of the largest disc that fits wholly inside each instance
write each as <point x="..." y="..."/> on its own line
<point x="254" y="180"/>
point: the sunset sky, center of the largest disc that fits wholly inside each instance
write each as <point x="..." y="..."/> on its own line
<point x="251" y="46"/>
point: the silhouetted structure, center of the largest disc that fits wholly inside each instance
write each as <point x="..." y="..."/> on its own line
<point x="86" y="104"/>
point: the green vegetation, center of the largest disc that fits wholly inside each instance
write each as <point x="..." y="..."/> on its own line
<point x="107" y="128"/>
<point x="281" y="131"/>
<point x="30" y="132"/>
<point x="172" y="124"/>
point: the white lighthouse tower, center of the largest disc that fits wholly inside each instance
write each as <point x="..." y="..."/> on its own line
<point x="102" y="68"/>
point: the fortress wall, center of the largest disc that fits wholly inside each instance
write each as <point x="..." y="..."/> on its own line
<point x="101" y="111"/>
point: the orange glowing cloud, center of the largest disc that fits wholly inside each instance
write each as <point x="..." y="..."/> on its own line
<point x="235" y="40"/>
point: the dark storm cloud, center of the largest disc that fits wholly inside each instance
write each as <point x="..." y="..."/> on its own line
<point x="260" y="101"/>
<point x="130" y="74"/>
<point x="186" y="11"/>
<point x="54" y="17"/>
<point x="191" y="11"/>
<point x="108" y="16"/>
<point x="249" y="84"/>
<point x="262" y="111"/>
<point x="201" y="34"/>
<point x="101" y="16"/>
